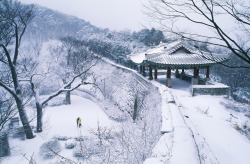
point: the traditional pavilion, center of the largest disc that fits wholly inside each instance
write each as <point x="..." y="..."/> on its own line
<point x="176" y="55"/>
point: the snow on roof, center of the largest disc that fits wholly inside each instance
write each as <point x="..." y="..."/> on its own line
<point x="177" y="53"/>
<point x="138" y="58"/>
<point x="155" y="50"/>
<point x="184" y="59"/>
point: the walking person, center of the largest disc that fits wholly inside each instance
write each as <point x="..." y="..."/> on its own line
<point x="79" y="122"/>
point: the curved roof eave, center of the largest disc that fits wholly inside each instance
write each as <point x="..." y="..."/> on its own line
<point x="180" y="65"/>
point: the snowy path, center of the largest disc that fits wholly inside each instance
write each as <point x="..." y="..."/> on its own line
<point x="212" y="121"/>
<point x="182" y="147"/>
<point x="197" y="129"/>
<point x="213" y="124"/>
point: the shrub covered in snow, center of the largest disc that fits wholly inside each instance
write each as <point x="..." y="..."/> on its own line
<point x="102" y="134"/>
<point x="242" y="94"/>
<point x="4" y="145"/>
<point x="70" y="144"/>
<point x="19" y="133"/>
<point x="61" y="138"/>
<point x="86" y="148"/>
<point x="63" y="162"/>
<point x="242" y="127"/>
<point x="50" y="149"/>
<point x="82" y="138"/>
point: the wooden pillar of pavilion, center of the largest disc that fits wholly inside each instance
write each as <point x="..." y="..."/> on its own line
<point x="182" y="73"/>
<point x="169" y="80"/>
<point x="207" y="74"/>
<point x="150" y="73"/>
<point x="143" y="70"/>
<point x="140" y="68"/>
<point x="177" y="74"/>
<point x="169" y="73"/>
<point x="195" y="78"/>
<point x="155" y="73"/>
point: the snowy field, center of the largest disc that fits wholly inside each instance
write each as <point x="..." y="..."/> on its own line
<point x="59" y="121"/>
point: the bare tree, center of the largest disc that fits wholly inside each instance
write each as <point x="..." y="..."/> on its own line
<point x="14" y="19"/>
<point x="41" y="103"/>
<point x="77" y="58"/>
<point x="71" y="67"/>
<point x="221" y="23"/>
<point x="7" y="110"/>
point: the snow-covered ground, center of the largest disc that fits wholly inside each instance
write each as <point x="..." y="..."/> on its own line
<point x="200" y="129"/>
<point x="216" y="124"/>
<point x="120" y="87"/>
<point x="59" y="121"/>
<point x="203" y="129"/>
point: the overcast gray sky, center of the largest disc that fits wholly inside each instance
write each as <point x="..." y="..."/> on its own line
<point x="113" y="14"/>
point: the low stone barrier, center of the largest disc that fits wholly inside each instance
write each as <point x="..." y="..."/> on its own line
<point x="209" y="90"/>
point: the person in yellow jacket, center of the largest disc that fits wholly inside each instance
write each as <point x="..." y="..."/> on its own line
<point x="79" y="122"/>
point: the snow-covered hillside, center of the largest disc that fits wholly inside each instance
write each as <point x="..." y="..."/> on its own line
<point x="200" y="129"/>
<point x="50" y="24"/>
<point x="170" y="126"/>
<point x="118" y="98"/>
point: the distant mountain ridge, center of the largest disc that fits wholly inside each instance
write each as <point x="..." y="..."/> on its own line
<point x="50" y="24"/>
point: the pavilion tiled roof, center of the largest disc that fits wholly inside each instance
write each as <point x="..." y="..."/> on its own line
<point x="177" y="54"/>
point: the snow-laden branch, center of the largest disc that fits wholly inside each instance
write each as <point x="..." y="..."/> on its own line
<point x="63" y="90"/>
<point x="8" y="114"/>
<point x="12" y="92"/>
<point x="66" y="86"/>
<point x="6" y="53"/>
<point x="3" y="61"/>
<point x="213" y="59"/>
<point x="205" y="14"/>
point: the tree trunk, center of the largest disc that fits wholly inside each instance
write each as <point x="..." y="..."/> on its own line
<point x="39" y="111"/>
<point x="67" y="96"/>
<point x="67" y="99"/>
<point x="135" y="109"/>
<point x="24" y="119"/>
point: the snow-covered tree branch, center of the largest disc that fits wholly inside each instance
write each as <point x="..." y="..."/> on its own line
<point x="14" y="18"/>
<point x="68" y="68"/>
<point x="202" y="23"/>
